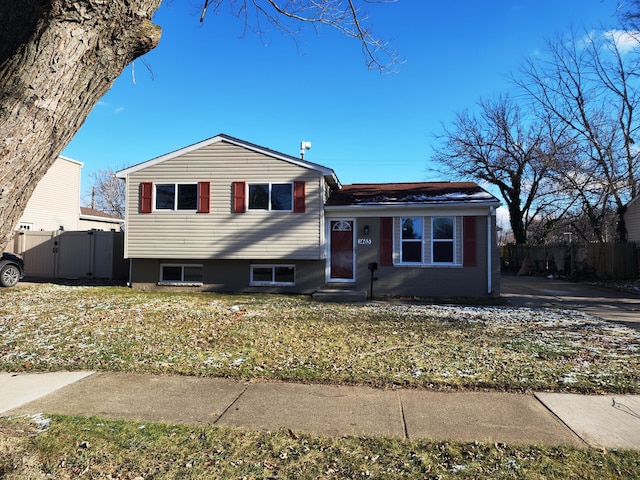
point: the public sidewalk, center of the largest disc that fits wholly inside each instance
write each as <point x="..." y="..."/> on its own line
<point x="553" y="419"/>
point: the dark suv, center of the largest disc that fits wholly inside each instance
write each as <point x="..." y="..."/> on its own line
<point x="11" y="269"/>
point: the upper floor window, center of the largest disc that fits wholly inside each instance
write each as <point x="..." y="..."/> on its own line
<point x="271" y="196"/>
<point x="411" y="240"/>
<point x="286" y="197"/>
<point x="177" y="196"/>
<point x="443" y="235"/>
<point x="195" y="197"/>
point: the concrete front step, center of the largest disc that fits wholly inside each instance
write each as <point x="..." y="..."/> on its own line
<point x="339" y="295"/>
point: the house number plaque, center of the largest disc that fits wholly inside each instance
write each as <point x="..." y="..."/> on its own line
<point x="364" y="241"/>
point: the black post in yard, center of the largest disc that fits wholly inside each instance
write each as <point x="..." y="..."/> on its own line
<point x="372" y="266"/>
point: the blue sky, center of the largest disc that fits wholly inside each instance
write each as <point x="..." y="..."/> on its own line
<point x="273" y="91"/>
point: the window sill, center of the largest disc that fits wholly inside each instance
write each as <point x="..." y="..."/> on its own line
<point x="428" y="265"/>
<point x="260" y="210"/>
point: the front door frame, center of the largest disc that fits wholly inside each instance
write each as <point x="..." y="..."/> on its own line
<point x="329" y="279"/>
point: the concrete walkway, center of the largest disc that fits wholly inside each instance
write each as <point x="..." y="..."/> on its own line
<point x="553" y="419"/>
<point x="542" y="292"/>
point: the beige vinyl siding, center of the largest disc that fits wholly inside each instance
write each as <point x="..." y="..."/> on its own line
<point x="55" y="202"/>
<point x="222" y="234"/>
<point x="632" y="221"/>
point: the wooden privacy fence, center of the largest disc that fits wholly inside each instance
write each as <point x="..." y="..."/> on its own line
<point x="601" y="261"/>
<point x="72" y="254"/>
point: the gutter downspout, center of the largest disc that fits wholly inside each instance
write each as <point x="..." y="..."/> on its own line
<point x="489" y="250"/>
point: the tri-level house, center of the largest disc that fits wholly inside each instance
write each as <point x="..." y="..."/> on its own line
<point x="227" y="215"/>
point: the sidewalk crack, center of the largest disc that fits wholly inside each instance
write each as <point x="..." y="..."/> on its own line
<point x="402" y="416"/>
<point x="559" y="419"/>
<point x="235" y="400"/>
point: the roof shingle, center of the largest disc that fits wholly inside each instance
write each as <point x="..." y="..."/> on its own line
<point x="402" y="193"/>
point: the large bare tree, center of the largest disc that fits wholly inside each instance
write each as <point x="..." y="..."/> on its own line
<point x="501" y="147"/>
<point x="58" y="57"/>
<point x="588" y="83"/>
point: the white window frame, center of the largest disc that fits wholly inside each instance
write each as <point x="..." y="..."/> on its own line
<point x="268" y="209"/>
<point x="452" y="241"/>
<point x="409" y="240"/>
<point x="175" y="197"/>
<point x="273" y="281"/>
<point x="182" y="280"/>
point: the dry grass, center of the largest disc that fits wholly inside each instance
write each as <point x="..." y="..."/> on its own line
<point x="50" y="327"/>
<point x="94" y="448"/>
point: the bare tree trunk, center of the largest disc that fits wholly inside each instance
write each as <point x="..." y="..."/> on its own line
<point x="57" y="59"/>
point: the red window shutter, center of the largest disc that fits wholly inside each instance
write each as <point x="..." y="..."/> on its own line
<point x="386" y="241"/>
<point x="298" y="197"/>
<point x="469" y="241"/>
<point x="146" y="195"/>
<point x="239" y="205"/>
<point x="204" y="194"/>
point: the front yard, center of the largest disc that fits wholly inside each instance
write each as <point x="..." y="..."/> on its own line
<point x="52" y="327"/>
<point x="49" y="327"/>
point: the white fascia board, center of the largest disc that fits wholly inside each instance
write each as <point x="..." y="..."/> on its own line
<point x="452" y="208"/>
<point x="327" y="172"/>
<point x="71" y="160"/>
<point x="93" y="218"/>
<point x="167" y="156"/>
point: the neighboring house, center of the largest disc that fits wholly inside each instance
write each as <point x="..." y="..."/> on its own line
<point x="632" y="220"/>
<point x="228" y="215"/>
<point x="55" y="203"/>
<point x="92" y="219"/>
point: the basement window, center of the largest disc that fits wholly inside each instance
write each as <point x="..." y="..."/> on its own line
<point x="175" y="274"/>
<point x="273" y="275"/>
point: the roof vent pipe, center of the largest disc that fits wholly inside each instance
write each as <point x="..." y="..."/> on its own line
<point x="304" y="146"/>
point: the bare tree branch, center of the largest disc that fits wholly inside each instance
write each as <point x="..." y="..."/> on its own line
<point x="341" y="15"/>
<point x="501" y="147"/>
<point x="589" y="85"/>
<point x="108" y="192"/>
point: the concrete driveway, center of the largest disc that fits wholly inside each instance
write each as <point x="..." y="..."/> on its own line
<point x="542" y="292"/>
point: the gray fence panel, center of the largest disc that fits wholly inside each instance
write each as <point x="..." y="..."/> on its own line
<point x="72" y="254"/>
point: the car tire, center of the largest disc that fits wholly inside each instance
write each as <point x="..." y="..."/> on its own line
<point x="9" y="275"/>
